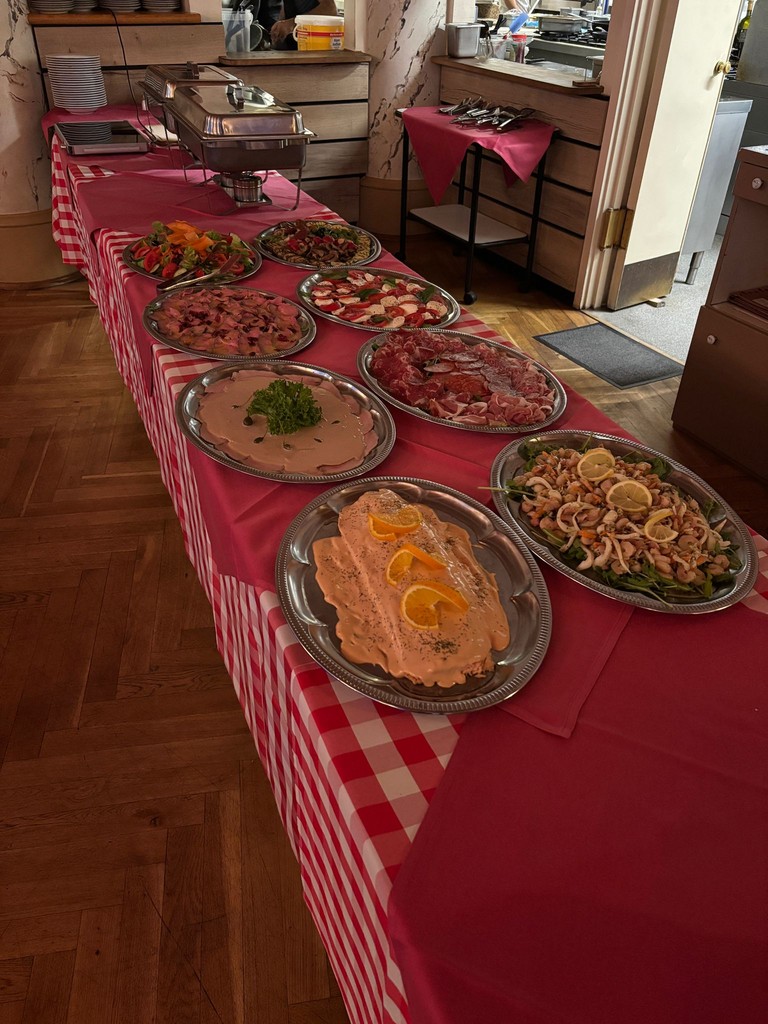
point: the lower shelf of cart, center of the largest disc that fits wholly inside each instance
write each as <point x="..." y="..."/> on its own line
<point x="453" y="220"/>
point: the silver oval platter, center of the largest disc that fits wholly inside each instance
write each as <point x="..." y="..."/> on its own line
<point x="268" y="240"/>
<point x="187" y="405"/>
<point x="510" y="462"/>
<point x="253" y="256"/>
<point x="371" y="283"/>
<point x="522" y="590"/>
<point x="365" y="356"/>
<point x="307" y="326"/>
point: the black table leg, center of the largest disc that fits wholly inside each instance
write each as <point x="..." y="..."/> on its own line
<point x="404" y="195"/>
<point x="534" y="224"/>
<point x="469" y="295"/>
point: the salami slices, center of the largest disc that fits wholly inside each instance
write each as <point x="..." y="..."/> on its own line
<point x="470" y="384"/>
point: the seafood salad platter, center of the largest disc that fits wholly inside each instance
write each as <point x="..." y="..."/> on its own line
<point x="315" y="244"/>
<point x="229" y="322"/>
<point x="625" y="521"/>
<point x="377" y="300"/>
<point x="414" y="594"/>
<point x="461" y="380"/>
<point x="286" y="421"/>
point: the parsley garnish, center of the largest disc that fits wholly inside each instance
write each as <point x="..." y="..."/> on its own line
<point x="288" y="406"/>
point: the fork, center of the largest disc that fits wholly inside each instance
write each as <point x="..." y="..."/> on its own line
<point x="179" y="282"/>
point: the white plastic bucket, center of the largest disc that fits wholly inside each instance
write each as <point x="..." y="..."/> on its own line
<point x="319" y="32"/>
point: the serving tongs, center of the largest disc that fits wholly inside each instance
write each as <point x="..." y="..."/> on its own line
<point x="470" y="116"/>
<point x="508" y="124"/>
<point x="461" y="107"/>
<point x="189" y="278"/>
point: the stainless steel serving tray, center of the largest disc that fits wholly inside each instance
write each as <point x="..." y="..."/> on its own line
<point x="309" y="327"/>
<point x="262" y="243"/>
<point x="521" y="587"/>
<point x="454" y="310"/>
<point x="253" y="255"/>
<point x="365" y="355"/>
<point x="509" y="463"/>
<point x="226" y="112"/>
<point x="187" y="403"/>
<point x="162" y="80"/>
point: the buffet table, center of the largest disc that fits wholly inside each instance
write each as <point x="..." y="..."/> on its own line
<point x="354" y="780"/>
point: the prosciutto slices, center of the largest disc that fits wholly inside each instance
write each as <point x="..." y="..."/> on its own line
<point x="230" y="322"/>
<point x="378" y="300"/>
<point x="451" y="379"/>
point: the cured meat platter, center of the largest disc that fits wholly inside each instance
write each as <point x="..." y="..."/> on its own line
<point x="462" y="381"/>
<point x="229" y="322"/>
<point x="318" y="244"/>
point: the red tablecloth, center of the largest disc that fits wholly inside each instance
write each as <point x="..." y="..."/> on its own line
<point x="616" y="877"/>
<point x="440" y="146"/>
<point x="353" y="779"/>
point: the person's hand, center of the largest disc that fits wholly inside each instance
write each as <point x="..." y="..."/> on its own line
<point x="281" y="30"/>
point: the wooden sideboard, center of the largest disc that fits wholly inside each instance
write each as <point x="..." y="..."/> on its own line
<point x="723" y="394"/>
<point x="571" y="162"/>
<point x="330" y="89"/>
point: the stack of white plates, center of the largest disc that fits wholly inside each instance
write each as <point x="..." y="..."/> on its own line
<point x="82" y="6"/>
<point x="161" y="6"/>
<point x="120" y="6"/>
<point x="76" y="82"/>
<point x="51" y="6"/>
<point x="86" y="133"/>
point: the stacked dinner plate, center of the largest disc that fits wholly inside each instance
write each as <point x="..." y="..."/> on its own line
<point x="76" y="82"/>
<point x="120" y="6"/>
<point x="161" y="6"/>
<point x="86" y="133"/>
<point x="51" y="6"/>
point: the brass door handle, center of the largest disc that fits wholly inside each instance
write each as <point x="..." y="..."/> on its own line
<point x="722" y="67"/>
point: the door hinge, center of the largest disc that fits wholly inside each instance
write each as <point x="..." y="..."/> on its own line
<point x="616" y="227"/>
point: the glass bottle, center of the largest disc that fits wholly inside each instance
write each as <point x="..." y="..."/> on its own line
<point x="484" y="47"/>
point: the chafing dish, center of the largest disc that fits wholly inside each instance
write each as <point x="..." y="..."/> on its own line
<point x="239" y="128"/>
<point x="162" y="80"/>
<point x="234" y="130"/>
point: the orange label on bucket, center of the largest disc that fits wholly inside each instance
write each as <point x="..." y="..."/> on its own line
<point x="320" y="39"/>
<point x="319" y="33"/>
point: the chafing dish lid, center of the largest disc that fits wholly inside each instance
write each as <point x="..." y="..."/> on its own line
<point x="239" y="111"/>
<point x="162" y="80"/>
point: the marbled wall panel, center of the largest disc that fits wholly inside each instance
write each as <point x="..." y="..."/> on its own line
<point x="25" y="172"/>
<point x="401" y="36"/>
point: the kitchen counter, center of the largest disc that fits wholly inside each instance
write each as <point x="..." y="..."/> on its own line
<point x="274" y="58"/>
<point x="527" y="74"/>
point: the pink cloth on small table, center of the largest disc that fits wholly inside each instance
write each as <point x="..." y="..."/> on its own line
<point x="440" y="146"/>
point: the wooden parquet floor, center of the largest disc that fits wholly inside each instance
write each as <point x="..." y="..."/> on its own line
<point x="144" y="874"/>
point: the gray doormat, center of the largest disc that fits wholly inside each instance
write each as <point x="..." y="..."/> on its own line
<point x="611" y="355"/>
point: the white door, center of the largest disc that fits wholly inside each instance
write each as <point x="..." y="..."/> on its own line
<point x="694" y="36"/>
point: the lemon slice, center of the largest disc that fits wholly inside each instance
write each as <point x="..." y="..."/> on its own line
<point x="418" y="605"/>
<point x="596" y="465"/>
<point x="389" y="526"/>
<point x="630" y="496"/>
<point x="655" y="529"/>
<point x="400" y="563"/>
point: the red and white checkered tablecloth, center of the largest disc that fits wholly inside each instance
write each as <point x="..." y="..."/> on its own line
<point x="352" y="779"/>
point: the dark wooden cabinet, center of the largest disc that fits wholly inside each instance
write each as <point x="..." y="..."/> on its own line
<point x="723" y="395"/>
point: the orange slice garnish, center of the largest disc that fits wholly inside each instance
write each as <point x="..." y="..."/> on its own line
<point x="395" y="524"/>
<point x="400" y="563"/>
<point x="419" y="603"/>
